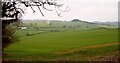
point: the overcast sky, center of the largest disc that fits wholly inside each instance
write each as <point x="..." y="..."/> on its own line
<point x="89" y="10"/>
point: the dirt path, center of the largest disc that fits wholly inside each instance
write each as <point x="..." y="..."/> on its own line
<point x="83" y="48"/>
<point x="102" y="45"/>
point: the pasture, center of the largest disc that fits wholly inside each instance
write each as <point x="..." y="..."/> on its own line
<point x="78" y="44"/>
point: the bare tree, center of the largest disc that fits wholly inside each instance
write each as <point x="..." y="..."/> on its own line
<point x="11" y="11"/>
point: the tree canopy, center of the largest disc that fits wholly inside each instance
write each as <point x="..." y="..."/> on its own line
<point x="75" y="20"/>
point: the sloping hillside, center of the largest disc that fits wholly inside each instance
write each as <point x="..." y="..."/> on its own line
<point x="46" y="23"/>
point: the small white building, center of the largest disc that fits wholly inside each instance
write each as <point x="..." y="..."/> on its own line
<point x="48" y="22"/>
<point x="23" y="27"/>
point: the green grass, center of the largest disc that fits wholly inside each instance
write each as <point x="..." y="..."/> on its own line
<point x="61" y="24"/>
<point x="46" y="43"/>
<point x="49" y="42"/>
<point x="80" y="55"/>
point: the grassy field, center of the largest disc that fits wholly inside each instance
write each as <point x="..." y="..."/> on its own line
<point x="60" y="24"/>
<point x="75" y="45"/>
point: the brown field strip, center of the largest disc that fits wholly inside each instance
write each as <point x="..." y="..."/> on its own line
<point x="83" y="48"/>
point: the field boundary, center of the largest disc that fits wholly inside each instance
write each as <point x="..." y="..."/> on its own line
<point x="83" y="48"/>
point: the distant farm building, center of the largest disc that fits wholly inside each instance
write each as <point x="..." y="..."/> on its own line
<point x="22" y="27"/>
<point x="48" y="22"/>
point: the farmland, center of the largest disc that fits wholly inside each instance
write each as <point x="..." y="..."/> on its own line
<point x="76" y="41"/>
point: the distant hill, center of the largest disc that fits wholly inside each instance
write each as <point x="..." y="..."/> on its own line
<point x="115" y="23"/>
<point x="32" y="20"/>
<point x="70" y="24"/>
<point x="81" y="24"/>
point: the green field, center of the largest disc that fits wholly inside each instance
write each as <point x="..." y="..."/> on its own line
<point x="75" y="44"/>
